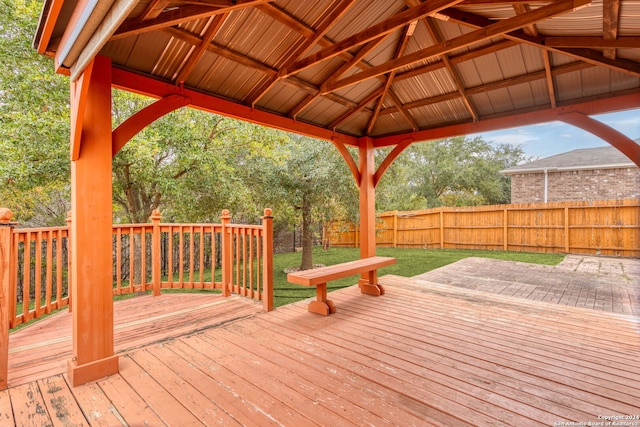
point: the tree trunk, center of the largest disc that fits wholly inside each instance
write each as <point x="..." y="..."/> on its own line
<point x="307" y="235"/>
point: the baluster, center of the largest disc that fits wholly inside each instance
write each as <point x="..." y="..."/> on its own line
<point x="49" y="272"/>
<point x="37" y="277"/>
<point x="155" y="252"/>
<point x="227" y="254"/>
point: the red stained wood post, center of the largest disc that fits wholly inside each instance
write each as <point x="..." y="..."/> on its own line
<point x="155" y="252"/>
<point x="6" y="294"/>
<point x="91" y="230"/>
<point x="69" y="260"/>
<point x="368" y="281"/>
<point x="227" y="253"/>
<point x="267" y="260"/>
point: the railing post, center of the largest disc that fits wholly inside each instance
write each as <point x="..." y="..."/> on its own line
<point x="227" y="253"/>
<point x="267" y="261"/>
<point x="69" y="259"/>
<point x="6" y="269"/>
<point x="155" y="252"/>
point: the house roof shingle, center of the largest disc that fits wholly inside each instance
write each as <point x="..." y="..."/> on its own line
<point x="584" y="158"/>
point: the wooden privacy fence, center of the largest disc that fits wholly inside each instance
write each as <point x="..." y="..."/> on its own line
<point x="36" y="263"/>
<point x="597" y="227"/>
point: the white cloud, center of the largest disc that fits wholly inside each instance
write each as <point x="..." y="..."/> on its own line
<point x="548" y="139"/>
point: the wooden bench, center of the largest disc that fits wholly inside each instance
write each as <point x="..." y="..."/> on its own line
<point x="319" y="277"/>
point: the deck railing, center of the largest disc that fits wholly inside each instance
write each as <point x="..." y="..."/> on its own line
<point x="35" y="264"/>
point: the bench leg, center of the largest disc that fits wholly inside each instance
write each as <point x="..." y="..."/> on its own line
<point x="322" y="305"/>
<point x="370" y="285"/>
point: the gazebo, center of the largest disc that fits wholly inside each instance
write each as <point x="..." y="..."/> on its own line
<point x="357" y="73"/>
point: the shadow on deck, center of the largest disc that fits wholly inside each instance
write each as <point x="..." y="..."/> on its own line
<point x="422" y="354"/>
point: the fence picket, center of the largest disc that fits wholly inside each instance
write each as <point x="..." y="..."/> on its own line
<point x="594" y="227"/>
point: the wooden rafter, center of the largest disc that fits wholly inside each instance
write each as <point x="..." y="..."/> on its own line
<point x="291" y="22"/>
<point x="401" y="108"/>
<point x="532" y="30"/>
<point x="135" y="26"/>
<point x="348" y="65"/>
<point x="388" y="26"/>
<point x="351" y="61"/>
<point x="521" y="9"/>
<point x="369" y="99"/>
<point x="332" y="15"/>
<point x="610" y="17"/>
<point x="455" y="59"/>
<point x="592" y="42"/>
<point x="154" y="9"/>
<point x="500" y="84"/>
<point x="588" y="55"/>
<point x="453" y="73"/>
<point x="546" y="57"/>
<point x="221" y="51"/>
<point x="402" y="46"/>
<point x="195" y="55"/>
<point x="492" y="30"/>
<point x="249" y="62"/>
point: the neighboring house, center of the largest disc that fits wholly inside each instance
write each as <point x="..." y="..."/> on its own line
<point x="602" y="173"/>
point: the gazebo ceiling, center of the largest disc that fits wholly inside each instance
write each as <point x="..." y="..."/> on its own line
<point x="353" y="68"/>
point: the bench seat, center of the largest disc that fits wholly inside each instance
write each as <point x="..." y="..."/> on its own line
<point x="319" y="277"/>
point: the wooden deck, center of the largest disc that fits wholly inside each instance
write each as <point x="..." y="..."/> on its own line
<point x="43" y="348"/>
<point x="422" y="354"/>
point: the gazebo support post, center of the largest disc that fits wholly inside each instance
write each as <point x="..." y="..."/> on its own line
<point x="91" y="233"/>
<point x="367" y="170"/>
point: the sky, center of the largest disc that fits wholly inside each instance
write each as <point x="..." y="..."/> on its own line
<point x="548" y="139"/>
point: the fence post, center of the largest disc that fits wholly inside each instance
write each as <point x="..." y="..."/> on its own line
<point x="395" y="229"/>
<point x="227" y="253"/>
<point x="155" y="252"/>
<point x="566" y="229"/>
<point x="6" y="269"/>
<point x="441" y="228"/>
<point x="505" y="229"/>
<point x="267" y="260"/>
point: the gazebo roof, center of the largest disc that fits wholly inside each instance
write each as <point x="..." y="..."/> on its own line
<point x="351" y="68"/>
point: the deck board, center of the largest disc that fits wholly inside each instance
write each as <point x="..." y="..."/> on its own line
<point x="422" y="354"/>
<point x="43" y="349"/>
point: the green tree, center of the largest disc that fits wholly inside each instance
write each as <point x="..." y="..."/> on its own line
<point x="177" y="164"/>
<point x="456" y="171"/>
<point x="34" y="123"/>
<point x="307" y="182"/>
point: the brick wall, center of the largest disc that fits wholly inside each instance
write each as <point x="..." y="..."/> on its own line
<point x="599" y="184"/>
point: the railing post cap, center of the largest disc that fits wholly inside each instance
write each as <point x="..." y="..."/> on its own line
<point x="5" y="215"/>
<point x="225" y="213"/>
<point x="155" y="214"/>
<point x="268" y="212"/>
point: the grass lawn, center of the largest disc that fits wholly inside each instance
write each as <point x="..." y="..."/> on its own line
<point x="411" y="262"/>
